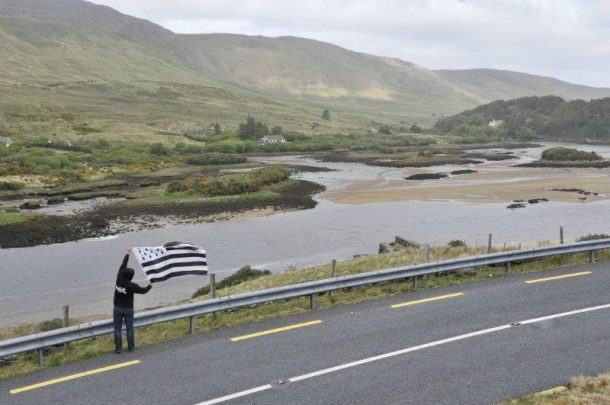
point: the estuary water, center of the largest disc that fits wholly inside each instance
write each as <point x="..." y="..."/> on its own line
<point x="35" y="282"/>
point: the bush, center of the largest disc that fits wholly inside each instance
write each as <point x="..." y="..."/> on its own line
<point x="231" y="184"/>
<point x="457" y="243"/>
<point x="216" y="159"/>
<point x="56" y="200"/>
<point x="30" y="205"/>
<point x="10" y="186"/>
<point x="593" y="236"/>
<point x="188" y="148"/>
<point x="51" y="324"/>
<point x="244" y="274"/>
<point x="158" y="149"/>
<point x="416" y="129"/>
<point x="569" y="155"/>
<point x="230" y="146"/>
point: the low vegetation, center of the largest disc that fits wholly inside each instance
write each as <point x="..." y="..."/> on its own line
<point x="230" y="184"/>
<point x="527" y="118"/>
<point x="579" y="390"/>
<point x="171" y="330"/>
<point x="244" y="274"/>
<point x="569" y="155"/>
<point x="216" y="159"/>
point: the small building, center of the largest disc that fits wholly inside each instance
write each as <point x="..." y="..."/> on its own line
<point x="495" y="123"/>
<point x="6" y="141"/>
<point x="271" y="139"/>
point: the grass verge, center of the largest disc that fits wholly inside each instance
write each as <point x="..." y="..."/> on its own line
<point x="153" y="334"/>
<point x="579" y="390"/>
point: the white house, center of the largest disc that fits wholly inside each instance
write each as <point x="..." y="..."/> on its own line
<point x="271" y="139"/>
<point x="5" y="141"/>
<point x="495" y="123"/>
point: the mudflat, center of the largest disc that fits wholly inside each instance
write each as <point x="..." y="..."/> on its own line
<point x="495" y="182"/>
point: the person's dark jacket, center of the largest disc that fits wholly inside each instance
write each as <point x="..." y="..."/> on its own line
<point x="125" y="288"/>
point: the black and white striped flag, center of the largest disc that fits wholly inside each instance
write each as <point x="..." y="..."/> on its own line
<point x="173" y="259"/>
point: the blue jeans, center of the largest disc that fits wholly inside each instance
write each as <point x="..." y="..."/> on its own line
<point x="118" y="314"/>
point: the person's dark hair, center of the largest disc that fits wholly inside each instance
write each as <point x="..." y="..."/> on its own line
<point x="125" y="274"/>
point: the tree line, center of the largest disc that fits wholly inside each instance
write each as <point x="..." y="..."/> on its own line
<point x="534" y="117"/>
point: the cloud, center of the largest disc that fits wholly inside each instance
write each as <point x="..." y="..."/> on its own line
<point x="566" y="39"/>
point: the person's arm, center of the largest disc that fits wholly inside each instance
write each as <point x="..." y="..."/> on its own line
<point x="124" y="264"/>
<point x="139" y="290"/>
<point x="125" y="259"/>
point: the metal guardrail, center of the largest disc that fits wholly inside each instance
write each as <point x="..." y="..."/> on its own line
<point x="40" y="341"/>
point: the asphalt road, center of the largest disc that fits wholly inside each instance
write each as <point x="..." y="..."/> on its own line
<point x="477" y="344"/>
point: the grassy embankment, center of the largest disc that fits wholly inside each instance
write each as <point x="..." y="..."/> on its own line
<point x="581" y="390"/>
<point x="172" y="330"/>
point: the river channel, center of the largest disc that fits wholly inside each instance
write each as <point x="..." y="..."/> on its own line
<point x="36" y="281"/>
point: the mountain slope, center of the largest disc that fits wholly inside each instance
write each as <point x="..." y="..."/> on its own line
<point x="126" y="76"/>
<point x="324" y="72"/>
<point x="490" y="84"/>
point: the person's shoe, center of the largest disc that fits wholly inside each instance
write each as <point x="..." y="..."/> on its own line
<point x="118" y="351"/>
<point x="131" y="349"/>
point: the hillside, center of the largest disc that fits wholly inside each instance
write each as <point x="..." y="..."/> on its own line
<point x="324" y="72"/>
<point x="73" y="68"/>
<point x="69" y="64"/>
<point x="529" y="118"/>
<point x="490" y="84"/>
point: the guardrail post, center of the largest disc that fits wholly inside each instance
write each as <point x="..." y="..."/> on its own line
<point x="506" y="267"/>
<point x="489" y="244"/>
<point x="213" y="285"/>
<point x="40" y="357"/>
<point x="415" y="282"/>
<point x="66" y="319"/>
<point x="561" y="235"/>
<point x="591" y="256"/>
<point x="213" y="290"/>
<point x="333" y="265"/>
<point x="191" y="324"/>
<point x="312" y="302"/>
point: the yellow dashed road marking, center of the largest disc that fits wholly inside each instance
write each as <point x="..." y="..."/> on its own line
<point x="74" y="377"/>
<point x="541" y="280"/>
<point x="278" y="330"/>
<point x="440" y="297"/>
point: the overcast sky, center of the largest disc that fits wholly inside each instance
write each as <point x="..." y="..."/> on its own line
<point x="566" y="39"/>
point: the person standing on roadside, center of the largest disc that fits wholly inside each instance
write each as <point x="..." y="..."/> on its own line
<point x="123" y="304"/>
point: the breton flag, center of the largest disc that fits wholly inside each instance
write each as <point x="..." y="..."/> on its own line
<point x="173" y="259"/>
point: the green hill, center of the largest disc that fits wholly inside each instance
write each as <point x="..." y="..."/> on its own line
<point x="72" y="68"/>
<point x="527" y="118"/>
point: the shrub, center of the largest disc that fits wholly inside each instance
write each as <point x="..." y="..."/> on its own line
<point x="30" y="205"/>
<point x="569" y="155"/>
<point x="10" y="186"/>
<point x="593" y="236"/>
<point x="188" y="148"/>
<point x="51" y="324"/>
<point x="216" y="159"/>
<point x="158" y="149"/>
<point x="457" y="243"/>
<point x="230" y="146"/>
<point x="244" y="274"/>
<point x="56" y="200"/>
<point x="231" y="184"/>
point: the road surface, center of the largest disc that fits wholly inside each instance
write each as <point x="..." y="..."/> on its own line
<point x="467" y="344"/>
